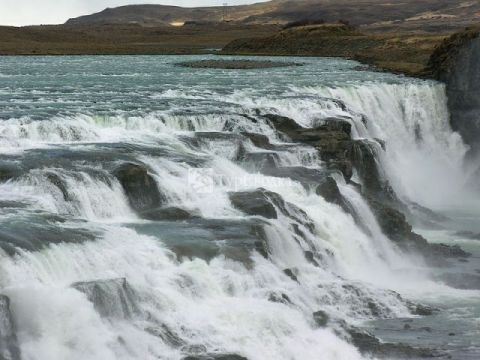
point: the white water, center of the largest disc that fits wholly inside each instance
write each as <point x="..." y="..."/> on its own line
<point x="222" y="304"/>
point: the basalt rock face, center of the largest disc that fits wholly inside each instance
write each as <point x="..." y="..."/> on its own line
<point x="395" y="225"/>
<point x="332" y="138"/>
<point x="9" y="349"/>
<point x="456" y="63"/>
<point x="140" y="187"/>
<point x="111" y="298"/>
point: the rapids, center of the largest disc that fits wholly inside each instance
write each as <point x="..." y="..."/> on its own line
<point x="90" y="277"/>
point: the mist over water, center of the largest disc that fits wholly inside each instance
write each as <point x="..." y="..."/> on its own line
<point x="168" y="289"/>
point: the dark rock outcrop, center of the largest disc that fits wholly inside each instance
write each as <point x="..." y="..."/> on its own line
<point x="279" y="298"/>
<point x="235" y="239"/>
<point x="369" y="344"/>
<point x="266" y="203"/>
<point x="140" y="187"/>
<point x="321" y="318"/>
<point x="332" y="138"/>
<point x="166" y="334"/>
<point x="8" y="171"/>
<point x="235" y="64"/>
<point x="256" y="203"/>
<point x="461" y="280"/>
<point x="111" y="298"/>
<point x="291" y="273"/>
<point x="394" y="224"/>
<point x="329" y="190"/>
<point x="455" y="62"/>
<point x="468" y="235"/>
<point x="215" y="357"/>
<point x="59" y="183"/>
<point x="39" y="232"/>
<point x="422" y="310"/>
<point x="259" y="140"/>
<point x="168" y="213"/>
<point x="9" y="349"/>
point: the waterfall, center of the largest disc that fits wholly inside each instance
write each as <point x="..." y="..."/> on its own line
<point x="203" y="269"/>
<point x="424" y="157"/>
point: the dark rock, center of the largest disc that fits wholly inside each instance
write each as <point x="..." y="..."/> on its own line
<point x="332" y="138"/>
<point x="111" y="298"/>
<point x="382" y="143"/>
<point x="369" y="344"/>
<point x="38" y="232"/>
<point x="394" y="224"/>
<point x="168" y="213"/>
<point x="266" y="203"/>
<point x="217" y="136"/>
<point x="451" y="334"/>
<point x="306" y="176"/>
<point x="236" y="64"/>
<point x="310" y="256"/>
<point x="374" y="309"/>
<point x="215" y="357"/>
<point x="208" y="238"/>
<point x="334" y="124"/>
<point x="425" y="216"/>
<point x="468" y="235"/>
<point x="407" y="327"/>
<point x="279" y="298"/>
<point x="426" y="328"/>
<point x="329" y="190"/>
<point x="259" y="140"/>
<point x="166" y="334"/>
<point x="321" y="318"/>
<point x="255" y="203"/>
<point x="461" y="280"/>
<point x="364" y="159"/>
<point x="139" y="186"/>
<point x="260" y="160"/>
<point x="284" y="124"/>
<point x="9" y="349"/>
<point x="448" y="251"/>
<point x="291" y="273"/>
<point x="195" y="349"/>
<point x="60" y="184"/>
<point x="422" y="310"/>
<point x="455" y="62"/>
<point x="8" y="171"/>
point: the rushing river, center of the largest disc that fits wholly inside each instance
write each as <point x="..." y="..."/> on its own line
<point x="88" y="278"/>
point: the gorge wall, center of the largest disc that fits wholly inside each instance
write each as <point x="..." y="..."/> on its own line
<point x="456" y="62"/>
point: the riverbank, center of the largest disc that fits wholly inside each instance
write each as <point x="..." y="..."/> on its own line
<point x="406" y="53"/>
<point x="128" y="39"/>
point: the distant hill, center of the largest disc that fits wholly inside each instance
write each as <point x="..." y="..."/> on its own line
<point x="428" y="14"/>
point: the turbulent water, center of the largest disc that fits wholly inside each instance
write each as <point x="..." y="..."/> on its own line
<point x="88" y="278"/>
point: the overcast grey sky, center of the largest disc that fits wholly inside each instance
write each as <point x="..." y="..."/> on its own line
<point x="32" y="12"/>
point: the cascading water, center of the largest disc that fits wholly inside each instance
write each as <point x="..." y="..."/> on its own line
<point x="227" y="258"/>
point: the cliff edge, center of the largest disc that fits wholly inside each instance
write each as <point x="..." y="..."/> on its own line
<point x="456" y="62"/>
<point x="403" y="53"/>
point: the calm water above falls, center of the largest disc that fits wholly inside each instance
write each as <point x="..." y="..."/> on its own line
<point x="88" y="277"/>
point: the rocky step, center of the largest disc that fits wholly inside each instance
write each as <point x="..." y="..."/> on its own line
<point x="236" y="239"/>
<point x="9" y="349"/>
<point x="140" y="187"/>
<point x="38" y="231"/>
<point x="111" y="298"/>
